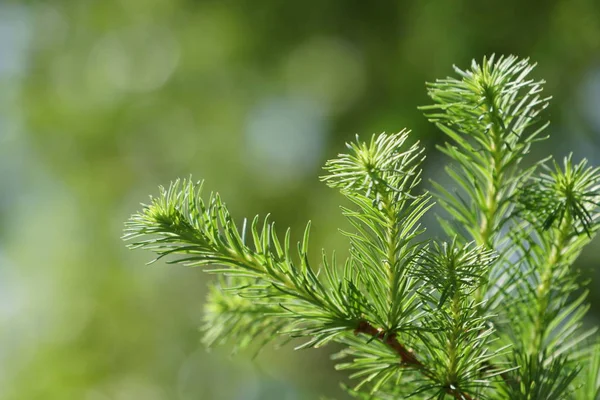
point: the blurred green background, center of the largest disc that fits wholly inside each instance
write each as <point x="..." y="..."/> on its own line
<point x="101" y="101"/>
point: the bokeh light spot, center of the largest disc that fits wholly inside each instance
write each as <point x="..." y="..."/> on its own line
<point x="285" y="139"/>
<point x="327" y="70"/>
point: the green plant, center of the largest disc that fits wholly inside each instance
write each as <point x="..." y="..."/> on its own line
<point x="494" y="312"/>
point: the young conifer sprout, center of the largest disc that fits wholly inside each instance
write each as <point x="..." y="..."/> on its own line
<point x="493" y="310"/>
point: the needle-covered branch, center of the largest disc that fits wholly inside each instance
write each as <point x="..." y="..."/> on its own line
<point x="494" y="312"/>
<point x="380" y="177"/>
<point x="179" y="223"/>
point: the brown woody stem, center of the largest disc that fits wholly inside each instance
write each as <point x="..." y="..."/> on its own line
<point x="407" y="356"/>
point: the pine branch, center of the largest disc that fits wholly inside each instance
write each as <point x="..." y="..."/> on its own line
<point x="379" y="177"/>
<point x="488" y="114"/>
<point x="562" y="204"/>
<point x="179" y="222"/>
<point x="490" y="314"/>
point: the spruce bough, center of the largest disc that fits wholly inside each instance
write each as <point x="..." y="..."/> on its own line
<point x="492" y="311"/>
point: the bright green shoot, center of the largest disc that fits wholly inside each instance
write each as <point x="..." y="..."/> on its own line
<point x="492" y="311"/>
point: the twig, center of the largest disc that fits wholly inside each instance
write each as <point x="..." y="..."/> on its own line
<point x="406" y="356"/>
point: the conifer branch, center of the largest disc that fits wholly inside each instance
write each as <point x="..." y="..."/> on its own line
<point x="489" y="314"/>
<point x="487" y="114"/>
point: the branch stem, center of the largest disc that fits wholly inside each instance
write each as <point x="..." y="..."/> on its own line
<point x="545" y="286"/>
<point x="490" y="208"/>
<point x="407" y="357"/>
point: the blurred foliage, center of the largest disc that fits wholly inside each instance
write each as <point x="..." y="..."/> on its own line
<point x="103" y="100"/>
